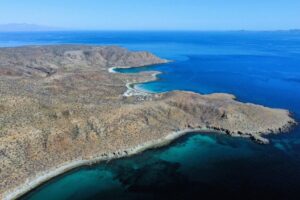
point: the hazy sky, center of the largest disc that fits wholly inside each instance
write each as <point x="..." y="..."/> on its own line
<point x="154" y="14"/>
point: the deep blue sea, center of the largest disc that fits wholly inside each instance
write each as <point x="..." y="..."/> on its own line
<point x="257" y="67"/>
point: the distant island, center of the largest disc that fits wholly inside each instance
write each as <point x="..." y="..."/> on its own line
<point x="64" y="106"/>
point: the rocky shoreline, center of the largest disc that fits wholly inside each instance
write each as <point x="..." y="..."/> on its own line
<point x="133" y="91"/>
<point x="62" y="107"/>
<point x="46" y="176"/>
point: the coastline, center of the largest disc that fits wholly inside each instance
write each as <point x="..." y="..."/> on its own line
<point x="112" y="70"/>
<point x="132" y="90"/>
<point x="66" y="167"/>
<point x="41" y="178"/>
<point x="50" y="174"/>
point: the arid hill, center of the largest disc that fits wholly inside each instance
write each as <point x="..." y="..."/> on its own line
<point x="60" y="104"/>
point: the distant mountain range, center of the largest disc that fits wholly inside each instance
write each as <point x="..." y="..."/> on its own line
<point x="19" y="27"/>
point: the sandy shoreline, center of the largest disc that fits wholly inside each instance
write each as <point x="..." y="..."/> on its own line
<point x="112" y="70"/>
<point x="132" y="90"/>
<point x="50" y="174"/>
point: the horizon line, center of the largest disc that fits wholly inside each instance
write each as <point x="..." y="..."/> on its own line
<point x="32" y="27"/>
<point x="153" y="30"/>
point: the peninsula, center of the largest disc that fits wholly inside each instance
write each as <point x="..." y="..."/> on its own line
<point x="62" y="107"/>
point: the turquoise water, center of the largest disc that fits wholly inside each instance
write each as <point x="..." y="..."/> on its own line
<point x="198" y="165"/>
<point x="257" y="67"/>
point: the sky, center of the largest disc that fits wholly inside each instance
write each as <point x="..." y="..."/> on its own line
<point x="154" y="14"/>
